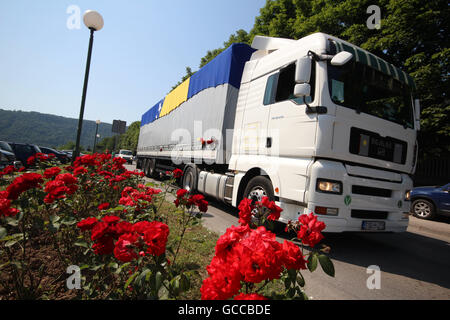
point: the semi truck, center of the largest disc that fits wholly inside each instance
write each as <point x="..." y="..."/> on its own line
<point x="316" y="125"/>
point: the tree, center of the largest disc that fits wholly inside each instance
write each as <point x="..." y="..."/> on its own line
<point x="413" y="36"/>
<point x="129" y="140"/>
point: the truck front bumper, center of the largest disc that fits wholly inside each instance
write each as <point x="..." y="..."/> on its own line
<point x="371" y="200"/>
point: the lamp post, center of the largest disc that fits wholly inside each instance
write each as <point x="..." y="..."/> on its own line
<point x="94" y="22"/>
<point x="96" y="131"/>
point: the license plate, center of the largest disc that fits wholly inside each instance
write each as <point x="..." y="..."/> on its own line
<point x="373" y="225"/>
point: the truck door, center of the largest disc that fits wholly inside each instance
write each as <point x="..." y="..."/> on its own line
<point x="255" y="120"/>
<point x="291" y="130"/>
<point x="292" y="133"/>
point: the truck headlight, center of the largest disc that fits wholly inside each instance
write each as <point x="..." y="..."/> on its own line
<point x="329" y="186"/>
<point x="408" y="195"/>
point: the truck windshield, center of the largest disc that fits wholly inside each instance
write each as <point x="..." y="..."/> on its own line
<point x="127" y="153"/>
<point x="364" y="89"/>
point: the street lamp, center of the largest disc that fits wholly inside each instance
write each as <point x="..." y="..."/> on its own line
<point x="96" y="135"/>
<point x="94" y="22"/>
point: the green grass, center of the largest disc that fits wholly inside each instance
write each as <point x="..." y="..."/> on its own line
<point x="196" y="251"/>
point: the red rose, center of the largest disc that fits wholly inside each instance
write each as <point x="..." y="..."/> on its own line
<point x="249" y="296"/>
<point x="51" y="172"/>
<point x="199" y="201"/>
<point x="23" y="183"/>
<point x="293" y="257"/>
<point x="224" y="281"/>
<point x="245" y="211"/>
<point x="104" y="245"/>
<point x="310" y="230"/>
<point x="99" y="230"/>
<point x="177" y="173"/>
<point x="79" y="170"/>
<point x="275" y="210"/>
<point x="123" y="250"/>
<point x="5" y="208"/>
<point x="155" y="237"/>
<point x="87" y="224"/>
<point x="110" y="219"/>
<point x="229" y="239"/>
<point x="103" y="206"/>
<point x="181" y="193"/>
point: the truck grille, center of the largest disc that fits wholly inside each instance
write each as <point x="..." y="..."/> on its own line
<point x="369" y="214"/>
<point x="370" y="191"/>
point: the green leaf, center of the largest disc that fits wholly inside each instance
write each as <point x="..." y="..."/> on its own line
<point x="130" y="279"/>
<point x="119" y="270"/>
<point x="185" y="283"/>
<point x="300" y="280"/>
<point x="97" y="267"/>
<point x="312" y="262"/>
<point x="158" y="281"/>
<point x="327" y="265"/>
<point x="3" y="232"/>
<point x="82" y="244"/>
<point x="69" y="221"/>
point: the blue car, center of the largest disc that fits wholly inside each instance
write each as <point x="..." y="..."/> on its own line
<point x="427" y="202"/>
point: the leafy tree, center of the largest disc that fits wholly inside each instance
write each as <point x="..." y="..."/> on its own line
<point x="413" y="36"/>
<point x="129" y="140"/>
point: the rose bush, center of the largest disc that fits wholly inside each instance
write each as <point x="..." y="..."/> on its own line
<point x="102" y="218"/>
<point x="248" y="257"/>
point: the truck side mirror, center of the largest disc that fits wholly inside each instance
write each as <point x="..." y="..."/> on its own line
<point x="302" y="90"/>
<point x="417" y="112"/>
<point x="303" y="70"/>
<point x="341" y="58"/>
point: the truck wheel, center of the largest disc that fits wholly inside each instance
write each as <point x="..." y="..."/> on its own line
<point x="423" y="209"/>
<point x="259" y="187"/>
<point x="190" y="179"/>
<point x="151" y="165"/>
<point x="144" y="166"/>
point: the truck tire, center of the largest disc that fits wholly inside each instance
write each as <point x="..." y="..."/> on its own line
<point x="144" y="166"/>
<point x="259" y="187"/>
<point x="190" y="177"/>
<point x="151" y="168"/>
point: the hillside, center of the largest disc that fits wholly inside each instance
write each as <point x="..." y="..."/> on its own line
<point x="46" y="129"/>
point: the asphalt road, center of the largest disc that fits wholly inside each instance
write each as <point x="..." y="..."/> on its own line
<point x="413" y="265"/>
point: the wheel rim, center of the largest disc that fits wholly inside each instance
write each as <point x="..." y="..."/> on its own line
<point x="257" y="193"/>
<point x="188" y="180"/>
<point x="151" y="169"/>
<point x="422" y="209"/>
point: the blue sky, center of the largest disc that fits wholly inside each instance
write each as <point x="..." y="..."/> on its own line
<point x="138" y="56"/>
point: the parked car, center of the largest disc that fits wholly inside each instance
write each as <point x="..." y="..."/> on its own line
<point x="7" y="159"/>
<point x="23" y="151"/>
<point x="428" y="202"/>
<point x="126" y="154"/>
<point x="61" y="156"/>
<point x="5" y="146"/>
<point x="7" y="156"/>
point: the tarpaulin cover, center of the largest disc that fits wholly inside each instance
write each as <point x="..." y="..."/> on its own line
<point x="227" y="67"/>
<point x="152" y="114"/>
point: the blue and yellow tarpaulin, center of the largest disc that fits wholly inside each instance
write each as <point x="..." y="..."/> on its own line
<point x="227" y="67"/>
